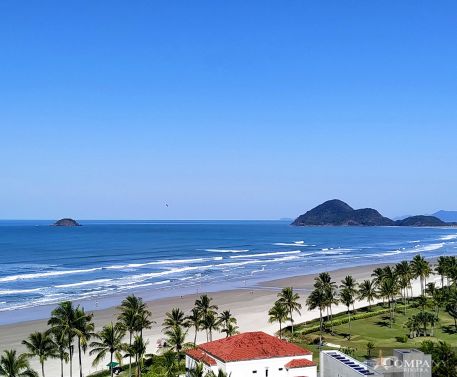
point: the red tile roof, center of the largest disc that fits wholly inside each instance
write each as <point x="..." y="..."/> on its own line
<point x="300" y="363"/>
<point x="199" y="355"/>
<point x="250" y="346"/>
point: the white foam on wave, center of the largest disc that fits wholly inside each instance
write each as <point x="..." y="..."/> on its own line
<point x="415" y="241"/>
<point x="431" y="247"/>
<point x="244" y="263"/>
<point x="134" y="286"/>
<point x="155" y="263"/>
<point x="296" y="244"/>
<point x="387" y="253"/>
<point x="143" y="277"/>
<point x="6" y="292"/>
<point x="39" y="275"/>
<point x="449" y="237"/>
<point x="227" y="250"/>
<point x="265" y="254"/>
<point x="89" y="282"/>
<point x="46" y="274"/>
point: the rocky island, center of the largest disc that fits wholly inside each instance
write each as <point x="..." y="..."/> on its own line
<point x="66" y="222"/>
<point x="338" y="213"/>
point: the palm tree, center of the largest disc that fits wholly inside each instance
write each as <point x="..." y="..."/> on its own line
<point x="230" y="330"/>
<point x="144" y="321"/>
<point x="168" y="364"/>
<point x="347" y="298"/>
<point x="84" y="330"/>
<point x="12" y="365"/>
<point x="350" y="284"/>
<point x="377" y="275"/>
<point x="128" y="319"/>
<point x="441" y="268"/>
<point x="317" y="299"/>
<point x="228" y="322"/>
<point x="388" y="289"/>
<point x="63" y="321"/>
<point x="138" y="350"/>
<point x="451" y="309"/>
<point x="176" y="339"/>
<point x="370" y="348"/>
<point x="203" y="304"/>
<point x="324" y="282"/>
<point x="413" y="325"/>
<point x="134" y="316"/>
<point x="109" y="341"/>
<point x="403" y="274"/>
<point x="194" y="320"/>
<point x="278" y="313"/>
<point x="367" y="291"/>
<point x="420" y="268"/>
<point x="61" y="344"/>
<point x="197" y="371"/>
<point x="204" y="307"/>
<point x="289" y="299"/>
<point x="41" y="345"/>
<point x="174" y="318"/>
<point x="209" y="323"/>
<point x="226" y="318"/>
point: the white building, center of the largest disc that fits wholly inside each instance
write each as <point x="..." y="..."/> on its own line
<point x="338" y="364"/>
<point x="253" y="354"/>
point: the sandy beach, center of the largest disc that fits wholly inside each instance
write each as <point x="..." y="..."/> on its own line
<point x="250" y="306"/>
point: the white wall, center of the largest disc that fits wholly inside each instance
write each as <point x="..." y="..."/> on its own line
<point x="246" y="368"/>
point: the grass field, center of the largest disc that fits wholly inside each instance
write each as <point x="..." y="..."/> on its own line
<point x="378" y="331"/>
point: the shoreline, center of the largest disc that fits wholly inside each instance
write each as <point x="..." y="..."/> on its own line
<point x="249" y="305"/>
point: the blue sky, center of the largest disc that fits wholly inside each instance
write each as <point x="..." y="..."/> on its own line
<point x="226" y="110"/>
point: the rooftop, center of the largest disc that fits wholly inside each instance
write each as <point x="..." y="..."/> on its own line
<point x="300" y="363"/>
<point x="354" y="364"/>
<point x="249" y="346"/>
<point x="199" y="355"/>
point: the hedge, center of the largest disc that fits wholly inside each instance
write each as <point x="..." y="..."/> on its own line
<point x="342" y="321"/>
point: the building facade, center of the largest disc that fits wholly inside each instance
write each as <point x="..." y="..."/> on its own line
<point x="253" y="354"/>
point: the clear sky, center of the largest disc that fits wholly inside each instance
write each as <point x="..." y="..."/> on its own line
<point x="226" y="109"/>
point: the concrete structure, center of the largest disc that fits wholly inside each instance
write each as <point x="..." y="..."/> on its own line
<point x="253" y="354"/>
<point x="403" y="363"/>
<point x="338" y="364"/>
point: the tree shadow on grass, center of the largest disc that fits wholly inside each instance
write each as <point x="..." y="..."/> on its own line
<point x="383" y="323"/>
<point x="450" y="329"/>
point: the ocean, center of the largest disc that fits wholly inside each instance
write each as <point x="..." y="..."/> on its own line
<point x="102" y="261"/>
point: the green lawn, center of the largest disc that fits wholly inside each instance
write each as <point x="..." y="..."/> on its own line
<point x="378" y="331"/>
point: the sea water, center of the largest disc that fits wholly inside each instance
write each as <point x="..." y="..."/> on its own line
<point x="101" y="261"/>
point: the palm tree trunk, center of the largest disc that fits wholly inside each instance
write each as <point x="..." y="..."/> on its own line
<point x="404" y="300"/>
<point x="61" y="367"/>
<point x="111" y="364"/>
<point x="280" y="330"/>
<point x="42" y="369"/>
<point x="331" y="319"/>
<point x="195" y="336"/>
<point x="291" y="322"/>
<point x="130" y="354"/>
<point x="79" y="355"/>
<point x="71" y="357"/>
<point x="320" y="325"/>
<point x="349" y="316"/>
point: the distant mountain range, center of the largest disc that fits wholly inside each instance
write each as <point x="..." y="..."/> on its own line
<point x="338" y="213"/>
<point x="448" y="216"/>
